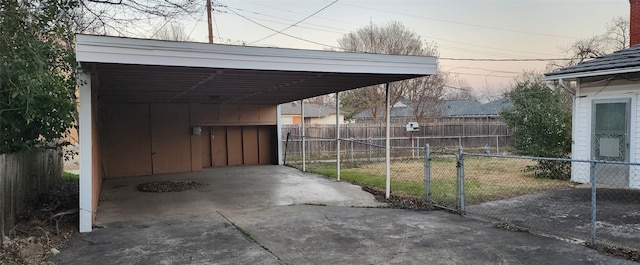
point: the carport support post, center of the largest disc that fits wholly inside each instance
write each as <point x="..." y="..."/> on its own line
<point x="304" y="164"/>
<point x="460" y="188"/>
<point x="593" y="201"/>
<point x="388" y="142"/>
<point x="369" y="148"/>
<point x="338" y="136"/>
<point x="286" y="147"/>
<point x="351" y="149"/>
<point x="427" y="173"/>
<point x="86" y="151"/>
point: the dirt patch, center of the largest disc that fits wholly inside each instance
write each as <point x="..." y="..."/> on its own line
<point x="400" y="201"/>
<point x="169" y="186"/>
<point x="45" y="229"/>
<point x="627" y="253"/>
<point x="510" y="226"/>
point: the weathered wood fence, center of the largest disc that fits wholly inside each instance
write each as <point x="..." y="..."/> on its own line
<point x="321" y="138"/>
<point x="23" y="177"/>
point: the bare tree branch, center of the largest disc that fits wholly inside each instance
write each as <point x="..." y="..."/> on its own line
<point x="392" y="38"/>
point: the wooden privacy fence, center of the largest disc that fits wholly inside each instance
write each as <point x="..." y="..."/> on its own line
<point x="321" y="138"/>
<point x="23" y="177"/>
<point x="365" y="131"/>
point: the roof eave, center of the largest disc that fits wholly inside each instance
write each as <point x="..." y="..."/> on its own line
<point x="574" y="76"/>
<point x="103" y="49"/>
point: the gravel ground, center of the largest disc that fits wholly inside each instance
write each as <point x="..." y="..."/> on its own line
<point x="169" y="186"/>
<point x="45" y="228"/>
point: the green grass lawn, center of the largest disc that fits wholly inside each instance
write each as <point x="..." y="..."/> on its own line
<point x="486" y="179"/>
<point x="69" y="175"/>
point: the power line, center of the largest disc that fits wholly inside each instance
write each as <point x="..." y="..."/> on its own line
<point x="335" y="47"/>
<point x="299" y="26"/>
<point x="486" y="69"/>
<point x="288" y="35"/>
<point x="325" y="27"/>
<point x="216" y="24"/>
<point x="478" y="45"/>
<point x="502" y="76"/>
<point x="197" y="21"/>
<point x="459" y="23"/>
<point x="486" y="53"/>
<point x="294" y="24"/>
<point x="343" y="31"/>
<point x="290" y="11"/>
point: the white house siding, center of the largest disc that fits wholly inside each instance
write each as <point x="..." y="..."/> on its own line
<point x="586" y="93"/>
<point x="581" y="140"/>
<point x="329" y="119"/>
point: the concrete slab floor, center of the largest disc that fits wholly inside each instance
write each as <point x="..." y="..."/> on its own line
<point x="337" y="235"/>
<point x="227" y="188"/>
<point x="248" y="215"/>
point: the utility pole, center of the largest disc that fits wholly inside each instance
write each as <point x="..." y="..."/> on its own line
<point x="209" y="20"/>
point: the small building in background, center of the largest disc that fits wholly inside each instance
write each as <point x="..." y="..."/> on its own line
<point x="449" y="111"/>
<point x="313" y="114"/>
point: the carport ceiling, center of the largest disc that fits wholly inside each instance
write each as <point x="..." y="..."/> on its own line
<point x="136" y="70"/>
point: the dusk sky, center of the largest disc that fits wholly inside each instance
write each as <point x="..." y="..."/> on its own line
<point x="508" y="29"/>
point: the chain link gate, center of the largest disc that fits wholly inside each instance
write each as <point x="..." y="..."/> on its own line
<point x="601" y="209"/>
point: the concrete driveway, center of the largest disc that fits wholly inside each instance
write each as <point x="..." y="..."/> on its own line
<point x="567" y="213"/>
<point x="278" y="215"/>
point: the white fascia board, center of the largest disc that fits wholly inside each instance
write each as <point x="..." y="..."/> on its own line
<point x="103" y="49"/>
<point x="574" y="76"/>
<point x="86" y="154"/>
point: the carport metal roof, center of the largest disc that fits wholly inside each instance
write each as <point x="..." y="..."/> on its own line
<point x="139" y="70"/>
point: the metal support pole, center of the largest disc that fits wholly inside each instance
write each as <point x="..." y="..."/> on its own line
<point x="351" y="150"/>
<point x="338" y="136"/>
<point x="369" y="148"/>
<point x="286" y="147"/>
<point x="593" y="202"/>
<point x="497" y="145"/>
<point x="460" y="187"/>
<point x="427" y="173"/>
<point x="309" y="150"/>
<point x="388" y="143"/>
<point x="413" y="151"/>
<point x="304" y="164"/>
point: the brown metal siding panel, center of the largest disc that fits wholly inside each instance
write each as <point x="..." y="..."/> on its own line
<point x="265" y="144"/>
<point x="196" y="140"/>
<point x="170" y="138"/>
<point x="234" y="145"/>
<point x="219" y="146"/>
<point x="205" y="147"/>
<point x="250" y="145"/>
<point x="127" y="143"/>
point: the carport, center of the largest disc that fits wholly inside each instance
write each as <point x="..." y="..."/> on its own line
<point x="151" y="107"/>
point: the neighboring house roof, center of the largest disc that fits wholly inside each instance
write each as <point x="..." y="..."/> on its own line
<point x="400" y="109"/>
<point x="310" y="110"/>
<point x="455" y="107"/>
<point x="492" y="108"/>
<point x="622" y="61"/>
<point x="449" y="108"/>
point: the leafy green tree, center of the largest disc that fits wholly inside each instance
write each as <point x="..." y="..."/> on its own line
<point x="37" y="73"/>
<point x="542" y="123"/>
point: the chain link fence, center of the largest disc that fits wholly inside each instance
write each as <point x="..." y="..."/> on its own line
<point x="362" y="161"/>
<point x="511" y="191"/>
<point x="592" y="201"/>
